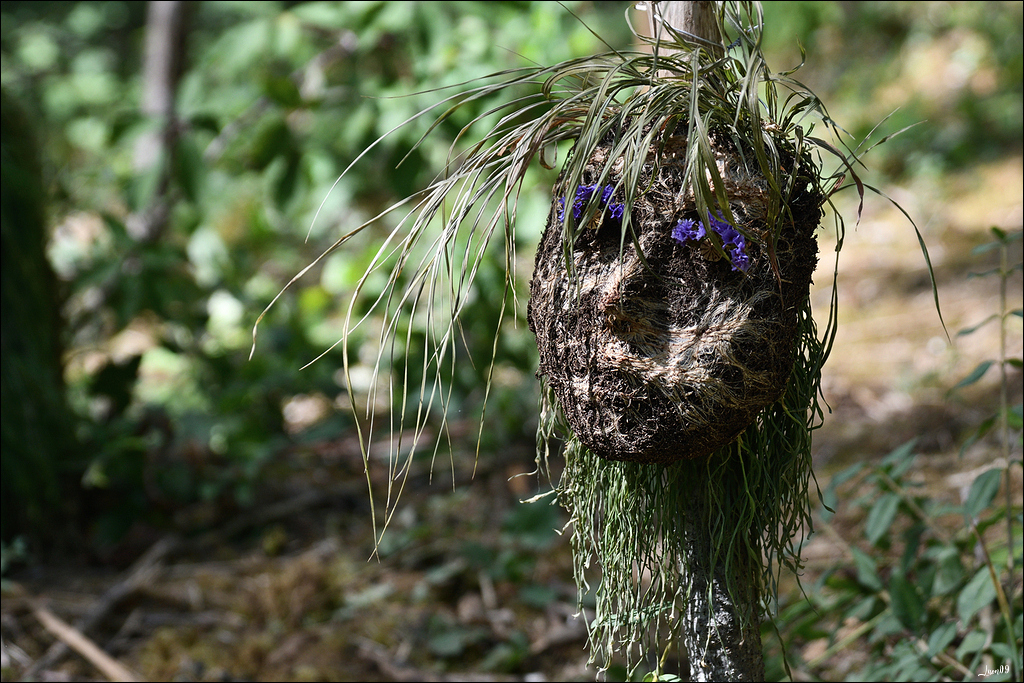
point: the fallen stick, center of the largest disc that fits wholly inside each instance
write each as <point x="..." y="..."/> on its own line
<point x="144" y="570"/>
<point x="140" y="573"/>
<point x="73" y="638"/>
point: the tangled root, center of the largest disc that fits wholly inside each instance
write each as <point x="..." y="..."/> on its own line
<point x="659" y="350"/>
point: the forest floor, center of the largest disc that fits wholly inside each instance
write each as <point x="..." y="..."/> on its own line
<point x="471" y="584"/>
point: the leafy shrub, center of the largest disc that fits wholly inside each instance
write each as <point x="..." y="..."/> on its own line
<point x="930" y="588"/>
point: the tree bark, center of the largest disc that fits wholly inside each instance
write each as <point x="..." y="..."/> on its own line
<point x="162" y="66"/>
<point x="721" y="630"/>
<point x="37" y="440"/>
<point x="696" y="20"/>
<point x="722" y="626"/>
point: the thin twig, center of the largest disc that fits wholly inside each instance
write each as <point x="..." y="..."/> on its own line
<point x="77" y="641"/>
<point x="146" y="568"/>
<point x="141" y="573"/>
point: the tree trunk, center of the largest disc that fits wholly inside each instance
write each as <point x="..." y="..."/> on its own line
<point x="164" y="56"/>
<point x="696" y="20"/>
<point x="721" y="631"/>
<point x="722" y="628"/>
<point x="37" y="436"/>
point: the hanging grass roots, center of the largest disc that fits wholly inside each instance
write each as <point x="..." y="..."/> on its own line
<point x="664" y="341"/>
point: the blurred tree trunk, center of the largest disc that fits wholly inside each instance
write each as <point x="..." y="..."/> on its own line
<point x="161" y="72"/>
<point x="721" y="630"/>
<point x="37" y="439"/>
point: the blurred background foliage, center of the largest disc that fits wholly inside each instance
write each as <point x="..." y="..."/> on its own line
<point x="273" y="100"/>
<point x="133" y="272"/>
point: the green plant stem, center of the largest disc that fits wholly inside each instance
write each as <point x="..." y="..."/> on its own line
<point x="1004" y="604"/>
<point x="1004" y="427"/>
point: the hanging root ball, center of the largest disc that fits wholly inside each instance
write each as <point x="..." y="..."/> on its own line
<point x="670" y="353"/>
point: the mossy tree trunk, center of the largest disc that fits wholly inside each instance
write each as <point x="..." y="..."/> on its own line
<point x="37" y="443"/>
<point x="685" y="375"/>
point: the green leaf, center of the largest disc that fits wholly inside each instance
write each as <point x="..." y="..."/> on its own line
<point x="144" y="184"/>
<point x="970" y="330"/>
<point x="983" y="490"/>
<point x="972" y="642"/>
<point x="903" y="466"/>
<point x="881" y="516"/>
<point x="975" y="375"/>
<point x="272" y="138"/>
<point x="1004" y="651"/>
<point x="906" y="603"/>
<point x="983" y="273"/>
<point x="978" y="433"/>
<point x="900" y="455"/>
<point x="189" y="167"/>
<point x="950" y="571"/>
<point x="940" y="637"/>
<point x="1015" y="416"/>
<point x="1001" y="240"/>
<point x="449" y="643"/>
<point x="829" y="496"/>
<point x="863" y="609"/>
<point x="285" y="178"/>
<point x="909" y="558"/>
<point x="978" y="592"/>
<point x="1003" y="237"/>
<point x="867" y="574"/>
<point x="283" y="91"/>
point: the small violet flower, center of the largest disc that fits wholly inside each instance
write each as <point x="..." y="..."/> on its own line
<point x="740" y="260"/>
<point x="688" y="229"/>
<point x="583" y="194"/>
<point x="733" y="242"/>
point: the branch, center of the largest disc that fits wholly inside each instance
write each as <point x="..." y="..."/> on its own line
<point x="694" y="21"/>
<point x="73" y="638"/>
<point x="140" y="574"/>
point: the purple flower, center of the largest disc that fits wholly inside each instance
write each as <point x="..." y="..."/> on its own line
<point x="732" y="239"/>
<point x="616" y="211"/>
<point x="720" y="225"/>
<point x="583" y="195"/>
<point x="688" y="229"/>
<point x="740" y="260"/>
